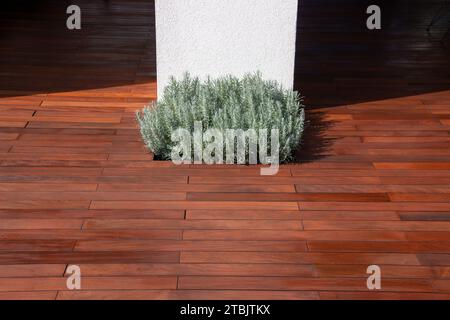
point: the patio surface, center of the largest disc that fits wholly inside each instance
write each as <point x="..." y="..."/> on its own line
<point x="77" y="187"/>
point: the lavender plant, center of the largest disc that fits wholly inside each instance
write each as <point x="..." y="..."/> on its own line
<point x="224" y="103"/>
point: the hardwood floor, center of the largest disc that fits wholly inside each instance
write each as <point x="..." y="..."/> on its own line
<point x="371" y="185"/>
<point x="340" y="62"/>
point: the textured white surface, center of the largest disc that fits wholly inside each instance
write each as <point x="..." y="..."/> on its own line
<point x="218" y="37"/>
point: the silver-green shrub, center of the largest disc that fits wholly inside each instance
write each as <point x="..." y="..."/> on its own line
<point x="223" y="103"/>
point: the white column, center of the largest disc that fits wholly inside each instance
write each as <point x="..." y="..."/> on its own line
<point x="218" y="37"/>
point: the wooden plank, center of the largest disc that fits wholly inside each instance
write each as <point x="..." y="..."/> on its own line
<point x="90" y="234"/>
<point x="53" y="187"/>
<point x="370" y="206"/>
<point x="296" y="235"/>
<point x="194" y="171"/>
<point x="300" y="258"/>
<point x="191" y="245"/>
<point x="378" y="225"/>
<point x="413" y="165"/>
<point x="192" y="224"/>
<point x="53" y="171"/>
<point x="103" y="283"/>
<point x="28" y="295"/>
<point x="94" y="270"/>
<point x="423" y="215"/>
<point x="296" y="283"/>
<point x="41" y="224"/>
<point x="36" y="245"/>
<point x="350" y="215"/>
<point x="84" y="214"/>
<point x="419" y="197"/>
<point x="32" y="270"/>
<point x="358" y="271"/>
<point x="88" y="196"/>
<point x="343" y="295"/>
<point x="380" y="246"/>
<point x="196" y="188"/>
<point x="186" y="205"/>
<point x="363" y="174"/>
<point x="357" y="197"/>
<point x="242" y="215"/>
<point x="43" y="204"/>
<point x="187" y="295"/>
<point x="76" y="258"/>
<point x="284" y="180"/>
<point x="357" y="188"/>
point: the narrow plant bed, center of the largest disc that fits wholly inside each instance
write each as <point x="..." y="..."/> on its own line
<point x="250" y="106"/>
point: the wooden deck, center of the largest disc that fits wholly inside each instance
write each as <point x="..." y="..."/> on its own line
<point x="372" y="185"/>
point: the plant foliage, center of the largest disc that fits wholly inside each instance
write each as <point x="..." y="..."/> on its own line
<point x="224" y="103"/>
